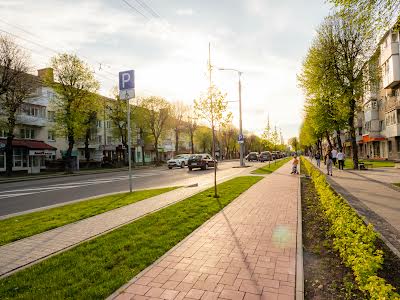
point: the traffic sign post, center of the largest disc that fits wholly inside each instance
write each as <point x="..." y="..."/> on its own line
<point x="127" y="92"/>
<point x="241" y="139"/>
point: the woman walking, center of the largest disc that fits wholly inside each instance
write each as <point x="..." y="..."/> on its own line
<point x="329" y="162"/>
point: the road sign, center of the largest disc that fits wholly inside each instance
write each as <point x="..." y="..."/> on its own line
<point x="126" y="92"/>
<point x="127" y="84"/>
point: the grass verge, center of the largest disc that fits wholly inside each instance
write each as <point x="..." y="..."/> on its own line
<point x="23" y="226"/>
<point x="269" y="168"/>
<point x="348" y="163"/>
<point x="397" y="184"/>
<point x="98" y="267"/>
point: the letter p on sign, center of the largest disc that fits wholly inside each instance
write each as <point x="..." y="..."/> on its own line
<point x="126" y="80"/>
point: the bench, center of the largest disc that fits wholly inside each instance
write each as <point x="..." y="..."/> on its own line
<point x="364" y="165"/>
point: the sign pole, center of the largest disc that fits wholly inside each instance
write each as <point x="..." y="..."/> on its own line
<point x="129" y="146"/>
<point x="127" y="92"/>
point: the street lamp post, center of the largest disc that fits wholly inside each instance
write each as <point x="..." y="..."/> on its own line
<point x="241" y="145"/>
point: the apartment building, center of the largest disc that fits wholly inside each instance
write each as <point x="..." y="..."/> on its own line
<point x="378" y="124"/>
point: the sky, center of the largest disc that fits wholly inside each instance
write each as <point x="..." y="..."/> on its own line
<point x="166" y="43"/>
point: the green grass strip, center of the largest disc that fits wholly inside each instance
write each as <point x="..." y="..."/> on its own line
<point x="397" y="184"/>
<point x="26" y="225"/>
<point x="271" y="167"/>
<point x="95" y="269"/>
<point x="348" y="163"/>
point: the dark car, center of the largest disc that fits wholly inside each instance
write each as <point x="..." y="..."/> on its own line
<point x="265" y="156"/>
<point x="202" y="161"/>
<point x="252" y="156"/>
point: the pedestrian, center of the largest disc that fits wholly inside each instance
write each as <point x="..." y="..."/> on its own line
<point x="318" y="159"/>
<point x="329" y="162"/>
<point x="340" y="158"/>
<point x="334" y="155"/>
<point x="295" y="162"/>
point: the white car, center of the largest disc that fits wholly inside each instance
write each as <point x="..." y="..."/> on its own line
<point x="180" y="160"/>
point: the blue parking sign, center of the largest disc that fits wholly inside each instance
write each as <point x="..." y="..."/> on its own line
<point x="127" y="80"/>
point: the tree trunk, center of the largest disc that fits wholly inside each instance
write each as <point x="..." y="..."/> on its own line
<point x="9" y="154"/>
<point x="87" y="151"/>
<point x="353" y="134"/>
<point x="191" y="142"/>
<point x="329" y="140"/>
<point x="176" y="140"/>
<point x="69" y="167"/>
<point x="339" y="140"/>
<point x="156" y="149"/>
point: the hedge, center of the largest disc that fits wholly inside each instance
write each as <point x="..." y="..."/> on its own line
<point x="353" y="239"/>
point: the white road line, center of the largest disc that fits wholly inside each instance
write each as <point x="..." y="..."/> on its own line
<point x="70" y="185"/>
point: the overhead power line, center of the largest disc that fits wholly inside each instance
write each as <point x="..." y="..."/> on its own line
<point x="148" y="9"/>
<point x="136" y="10"/>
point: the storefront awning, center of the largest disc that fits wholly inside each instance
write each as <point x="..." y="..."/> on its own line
<point x="30" y="144"/>
<point x="367" y="138"/>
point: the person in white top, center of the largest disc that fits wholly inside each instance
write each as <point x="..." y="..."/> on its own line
<point x="340" y="158"/>
<point x="334" y="156"/>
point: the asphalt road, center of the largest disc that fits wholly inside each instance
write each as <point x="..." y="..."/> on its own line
<point x="24" y="196"/>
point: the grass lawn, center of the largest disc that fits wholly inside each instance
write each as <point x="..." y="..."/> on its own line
<point x="95" y="269"/>
<point x="23" y="226"/>
<point x="268" y="169"/>
<point x="397" y="184"/>
<point x="348" y="163"/>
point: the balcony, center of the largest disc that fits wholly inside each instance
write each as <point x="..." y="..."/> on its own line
<point x="393" y="130"/>
<point x="392" y="103"/>
<point x="31" y="120"/>
<point x="391" y="72"/>
<point x="387" y="52"/>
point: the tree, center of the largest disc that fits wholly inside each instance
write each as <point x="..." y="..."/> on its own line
<point x="203" y="137"/>
<point x="155" y="115"/>
<point x="211" y="106"/>
<point x="178" y="116"/>
<point x="338" y="56"/>
<point x="16" y="86"/>
<point x="191" y="123"/>
<point x="75" y="87"/>
<point x="267" y="135"/>
<point x="294" y="143"/>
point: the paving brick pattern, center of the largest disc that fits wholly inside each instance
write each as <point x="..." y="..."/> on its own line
<point x="247" y="251"/>
<point x="28" y="251"/>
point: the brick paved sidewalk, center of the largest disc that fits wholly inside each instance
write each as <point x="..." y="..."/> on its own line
<point x="247" y="251"/>
<point x="28" y="251"/>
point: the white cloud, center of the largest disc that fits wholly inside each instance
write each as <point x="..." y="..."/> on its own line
<point x="184" y="12"/>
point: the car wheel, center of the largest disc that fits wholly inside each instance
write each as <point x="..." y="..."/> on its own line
<point x="190" y="169"/>
<point x="182" y="165"/>
<point x="170" y="168"/>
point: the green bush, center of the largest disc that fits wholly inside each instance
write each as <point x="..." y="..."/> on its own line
<point x="353" y="239"/>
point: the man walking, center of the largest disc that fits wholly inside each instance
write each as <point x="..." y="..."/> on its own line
<point x="340" y="158"/>
<point x="334" y="156"/>
<point x="318" y="159"/>
<point x="329" y="162"/>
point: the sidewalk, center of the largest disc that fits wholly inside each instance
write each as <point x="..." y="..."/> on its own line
<point x="247" y="251"/>
<point x="31" y="250"/>
<point x="370" y="193"/>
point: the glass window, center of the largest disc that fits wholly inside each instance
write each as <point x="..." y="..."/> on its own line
<point x="51" y="116"/>
<point x="51" y="135"/>
<point x="99" y="139"/>
<point x="98" y="123"/>
<point x="3" y="133"/>
<point x="17" y="157"/>
<point x="27" y="133"/>
<point x="390" y="146"/>
<point x="109" y="140"/>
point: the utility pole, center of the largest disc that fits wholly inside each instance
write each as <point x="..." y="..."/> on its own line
<point x="212" y="120"/>
<point x="241" y="145"/>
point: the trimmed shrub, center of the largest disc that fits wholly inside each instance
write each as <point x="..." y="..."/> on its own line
<point x="353" y="239"/>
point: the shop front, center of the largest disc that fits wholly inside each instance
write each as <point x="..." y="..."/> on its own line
<point x="28" y="155"/>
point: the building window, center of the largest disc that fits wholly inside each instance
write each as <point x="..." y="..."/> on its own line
<point x="98" y="123"/>
<point x="3" y="133"/>
<point x="390" y="146"/>
<point x="99" y="139"/>
<point x="381" y="125"/>
<point x="51" y="116"/>
<point x="27" y="133"/>
<point x="51" y="135"/>
<point x="17" y="157"/>
<point x="398" y="144"/>
<point x="109" y="140"/>
<point x="108" y="124"/>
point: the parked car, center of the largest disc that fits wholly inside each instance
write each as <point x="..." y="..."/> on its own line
<point x="252" y="156"/>
<point x="265" y="156"/>
<point x="202" y="161"/>
<point x="180" y="160"/>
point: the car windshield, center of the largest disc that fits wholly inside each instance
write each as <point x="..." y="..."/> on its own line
<point x="195" y="157"/>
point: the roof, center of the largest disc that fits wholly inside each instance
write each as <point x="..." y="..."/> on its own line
<point x="30" y="144"/>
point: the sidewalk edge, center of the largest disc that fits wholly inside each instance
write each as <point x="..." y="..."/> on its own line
<point x="299" y="249"/>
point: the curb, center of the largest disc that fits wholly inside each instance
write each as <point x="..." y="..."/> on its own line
<point x="299" y="248"/>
